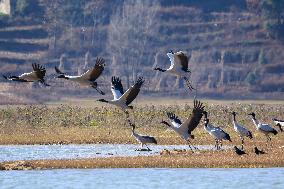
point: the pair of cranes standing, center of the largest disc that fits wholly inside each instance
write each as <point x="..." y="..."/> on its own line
<point x="179" y="67"/>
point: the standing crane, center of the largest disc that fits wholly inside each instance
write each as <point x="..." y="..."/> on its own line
<point x="142" y="139"/>
<point x="241" y="130"/>
<point x="263" y="128"/>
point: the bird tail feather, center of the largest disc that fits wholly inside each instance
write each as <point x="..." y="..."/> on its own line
<point x="227" y="137"/>
<point x="250" y="135"/>
<point x="274" y="132"/>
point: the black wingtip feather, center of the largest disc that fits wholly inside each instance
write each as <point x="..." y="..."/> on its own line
<point x="5" y="77"/>
<point x="140" y="81"/>
<point x="100" y="62"/>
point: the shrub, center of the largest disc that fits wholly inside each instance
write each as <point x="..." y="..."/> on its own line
<point x="252" y="78"/>
<point x="261" y="58"/>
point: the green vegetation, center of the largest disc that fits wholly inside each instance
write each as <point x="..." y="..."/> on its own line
<point x="21" y="6"/>
<point x="252" y="78"/>
<point x="261" y="58"/>
<point x="272" y="12"/>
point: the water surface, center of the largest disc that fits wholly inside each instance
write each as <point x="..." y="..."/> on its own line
<point x="36" y="152"/>
<point x="144" y="178"/>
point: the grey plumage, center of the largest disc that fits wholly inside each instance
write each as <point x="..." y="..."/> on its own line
<point x="142" y="139"/>
<point x="37" y="74"/>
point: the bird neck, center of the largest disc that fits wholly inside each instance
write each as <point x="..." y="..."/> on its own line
<point x="166" y="123"/>
<point x="206" y="122"/>
<point x="160" y="69"/>
<point x="103" y="100"/>
<point x="133" y="129"/>
<point x="63" y="76"/>
<point x="133" y="132"/>
<point x="255" y="121"/>
<point x="234" y="118"/>
<point x="205" y="115"/>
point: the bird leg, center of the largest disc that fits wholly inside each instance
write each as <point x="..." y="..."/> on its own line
<point x="127" y="114"/>
<point x="193" y="146"/>
<point x="190" y="87"/>
<point x="216" y="144"/>
<point x="280" y="128"/>
<point x="44" y="83"/>
<point x="99" y="91"/>
<point x="148" y="148"/>
<point x="189" y="145"/>
<point x="221" y="144"/>
<point x="242" y="139"/>
<point x="268" y="140"/>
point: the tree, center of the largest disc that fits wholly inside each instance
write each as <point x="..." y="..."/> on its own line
<point x="252" y="78"/>
<point x="61" y="16"/>
<point x="130" y="33"/>
<point x="96" y="11"/>
<point x="261" y="58"/>
<point x="272" y="12"/>
<point x="21" y="5"/>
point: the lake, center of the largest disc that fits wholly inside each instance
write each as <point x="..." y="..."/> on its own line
<point x="144" y="178"/>
<point x="36" y="152"/>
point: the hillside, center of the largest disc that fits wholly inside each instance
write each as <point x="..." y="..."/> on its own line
<point x="233" y="53"/>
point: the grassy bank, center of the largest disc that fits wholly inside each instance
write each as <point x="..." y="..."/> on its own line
<point x="90" y="122"/>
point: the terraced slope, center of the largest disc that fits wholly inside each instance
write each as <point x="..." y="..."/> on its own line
<point x="20" y="45"/>
<point x="226" y="48"/>
<point x="232" y="55"/>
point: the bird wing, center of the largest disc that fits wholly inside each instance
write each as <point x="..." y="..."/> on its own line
<point x="241" y="128"/>
<point x="116" y="87"/>
<point x="192" y="122"/>
<point x="133" y="91"/>
<point x="266" y="127"/>
<point x="31" y="76"/>
<point x="183" y="60"/>
<point x="39" y="71"/>
<point x="94" y="73"/>
<point x="149" y="139"/>
<point x="58" y="70"/>
<point x="176" y="122"/>
<point x="172" y="60"/>
<point x="278" y="121"/>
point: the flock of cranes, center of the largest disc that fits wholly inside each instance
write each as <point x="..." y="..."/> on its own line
<point x="122" y="99"/>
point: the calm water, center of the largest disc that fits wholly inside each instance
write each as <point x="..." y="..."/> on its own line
<point x="145" y="178"/>
<point x="32" y="152"/>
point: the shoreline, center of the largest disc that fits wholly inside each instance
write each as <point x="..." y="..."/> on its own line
<point x="166" y="159"/>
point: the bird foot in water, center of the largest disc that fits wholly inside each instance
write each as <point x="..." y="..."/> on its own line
<point x="143" y="150"/>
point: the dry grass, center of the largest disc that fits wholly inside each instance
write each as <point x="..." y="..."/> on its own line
<point x="185" y="159"/>
<point x="93" y="123"/>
